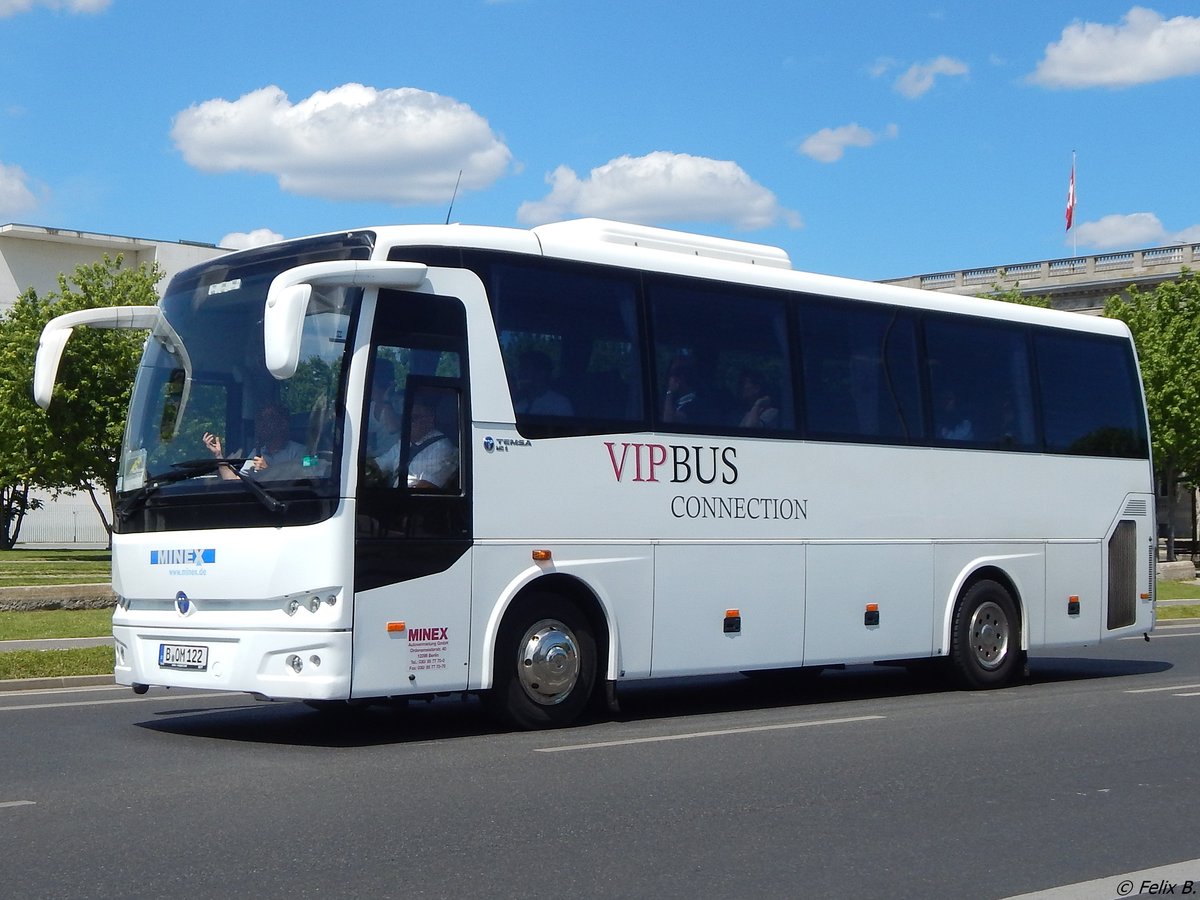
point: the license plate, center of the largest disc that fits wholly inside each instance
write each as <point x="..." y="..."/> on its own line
<point x="182" y="656"/>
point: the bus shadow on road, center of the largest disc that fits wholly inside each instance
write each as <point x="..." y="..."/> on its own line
<point x="295" y="724"/>
<point x="1047" y="670"/>
<point x="292" y="723"/>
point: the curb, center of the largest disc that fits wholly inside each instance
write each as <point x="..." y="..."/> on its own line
<point x="57" y="596"/>
<point x="61" y="681"/>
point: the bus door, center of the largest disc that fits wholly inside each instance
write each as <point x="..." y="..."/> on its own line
<point x="413" y="513"/>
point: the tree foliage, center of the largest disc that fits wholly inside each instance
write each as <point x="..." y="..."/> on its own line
<point x="1014" y="295"/>
<point x="74" y="445"/>
<point x="1166" y="329"/>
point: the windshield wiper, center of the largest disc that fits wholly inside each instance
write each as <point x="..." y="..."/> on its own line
<point x="271" y="503"/>
<point x="194" y="468"/>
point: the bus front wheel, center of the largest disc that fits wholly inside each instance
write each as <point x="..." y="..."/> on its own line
<point x="985" y="646"/>
<point x="545" y="664"/>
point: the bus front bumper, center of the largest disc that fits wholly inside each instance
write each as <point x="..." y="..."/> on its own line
<point x="301" y="665"/>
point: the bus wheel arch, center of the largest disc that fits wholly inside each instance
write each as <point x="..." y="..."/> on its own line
<point x="550" y="654"/>
<point x="986" y="627"/>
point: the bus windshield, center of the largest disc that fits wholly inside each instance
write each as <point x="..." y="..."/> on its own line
<point x="207" y="417"/>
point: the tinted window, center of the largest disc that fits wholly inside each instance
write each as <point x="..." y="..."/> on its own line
<point x="979" y="383"/>
<point x="721" y="359"/>
<point x="861" y="377"/>
<point x="570" y="345"/>
<point x="1091" y="403"/>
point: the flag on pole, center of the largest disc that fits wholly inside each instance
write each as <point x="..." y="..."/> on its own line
<point x="1071" y="196"/>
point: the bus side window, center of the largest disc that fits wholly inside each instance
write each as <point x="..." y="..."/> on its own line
<point x="860" y="372"/>
<point x="569" y="340"/>
<point x="722" y="360"/>
<point x="979" y="376"/>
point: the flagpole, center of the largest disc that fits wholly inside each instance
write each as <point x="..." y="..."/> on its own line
<point x="1074" y="233"/>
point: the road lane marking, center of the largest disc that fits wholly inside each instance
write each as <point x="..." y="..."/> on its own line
<point x="687" y="736"/>
<point x="4" y="709"/>
<point x="1127" y="884"/>
<point x="1158" y="635"/>
<point x="4" y="804"/>
<point x="1159" y="690"/>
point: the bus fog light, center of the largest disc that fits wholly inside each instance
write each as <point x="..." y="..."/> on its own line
<point x="314" y="604"/>
<point x="331" y="599"/>
<point x="292" y="607"/>
<point x="315" y="660"/>
<point x="295" y="662"/>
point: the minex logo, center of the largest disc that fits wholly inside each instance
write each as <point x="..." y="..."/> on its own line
<point x="183" y="557"/>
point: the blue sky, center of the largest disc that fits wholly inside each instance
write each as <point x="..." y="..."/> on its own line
<point x="874" y="139"/>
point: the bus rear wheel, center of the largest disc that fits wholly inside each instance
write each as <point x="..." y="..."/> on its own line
<point x="545" y="664"/>
<point x="985" y="649"/>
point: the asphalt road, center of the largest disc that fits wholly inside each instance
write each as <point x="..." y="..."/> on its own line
<point x="874" y="782"/>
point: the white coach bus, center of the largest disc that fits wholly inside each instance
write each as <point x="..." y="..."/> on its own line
<point x="416" y="460"/>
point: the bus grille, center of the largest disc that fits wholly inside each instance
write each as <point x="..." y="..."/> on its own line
<point x="1122" y="575"/>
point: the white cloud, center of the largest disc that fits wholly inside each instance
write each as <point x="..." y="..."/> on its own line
<point x="13" y="7"/>
<point x="919" y="78"/>
<point x="16" y="195"/>
<point x="244" y="240"/>
<point x="881" y="66"/>
<point x="829" y="144"/>
<point x="398" y="145"/>
<point x="1130" y="231"/>
<point x="658" y="188"/>
<point x="1145" y="47"/>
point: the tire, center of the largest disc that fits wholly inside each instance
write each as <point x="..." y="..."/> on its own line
<point x="985" y="644"/>
<point x="544" y="669"/>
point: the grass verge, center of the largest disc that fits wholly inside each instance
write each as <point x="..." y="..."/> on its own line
<point x="1178" y="590"/>
<point x="50" y="624"/>
<point x="56" y="663"/>
<point x="21" y="568"/>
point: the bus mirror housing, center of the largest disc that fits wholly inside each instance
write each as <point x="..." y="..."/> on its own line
<point x="58" y="331"/>
<point x="290" y="293"/>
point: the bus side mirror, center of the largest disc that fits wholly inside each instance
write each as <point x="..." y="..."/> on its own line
<point x="290" y="292"/>
<point x="45" y="368"/>
<point x="58" y="331"/>
<point x="283" y="325"/>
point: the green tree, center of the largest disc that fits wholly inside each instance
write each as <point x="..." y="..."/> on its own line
<point x="74" y="446"/>
<point x="1166" y="329"/>
<point x="1014" y="295"/>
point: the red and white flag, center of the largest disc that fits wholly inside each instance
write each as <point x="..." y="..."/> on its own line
<point x="1071" y="197"/>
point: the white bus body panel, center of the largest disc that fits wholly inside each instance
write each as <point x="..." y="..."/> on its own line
<point x="694" y="586"/>
<point x="430" y="652"/>
<point x="240" y="585"/>
<point x="844" y="578"/>
<point x="810" y="533"/>
<point x="1063" y="563"/>
<point x="619" y="576"/>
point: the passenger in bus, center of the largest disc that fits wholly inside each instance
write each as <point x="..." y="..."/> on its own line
<point x="760" y="409"/>
<point x="383" y="423"/>
<point x="532" y="394"/>
<point x="433" y="458"/>
<point x="682" y="402"/>
<point x="952" y="424"/>
<point x="273" y="446"/>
